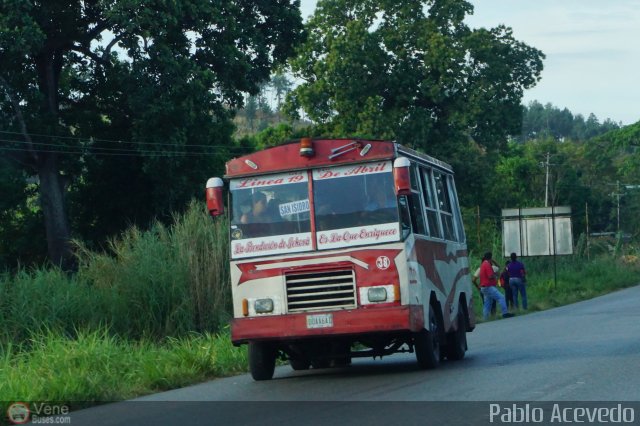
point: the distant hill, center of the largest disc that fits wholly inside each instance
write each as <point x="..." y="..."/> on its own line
<point x="540" y="121"/>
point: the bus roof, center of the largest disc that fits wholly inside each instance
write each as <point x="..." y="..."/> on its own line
<point x="326" y="153"/>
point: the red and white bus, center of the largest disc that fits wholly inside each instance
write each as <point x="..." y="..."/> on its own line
<point x="344" y="248"/>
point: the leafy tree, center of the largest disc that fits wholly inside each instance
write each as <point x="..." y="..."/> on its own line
<point x="161" y="74"/>
<point x="264" y="110"/>
<point x="281" y="86"/>
<point x="273" y="135"/>
<point x="250" y="111"/>
<point x="517" y="180"/>
<point x="19" y="220"/>
<point x="614" y="169"/>
<point x="412" y="70"/>
<point x="561" y="123"/>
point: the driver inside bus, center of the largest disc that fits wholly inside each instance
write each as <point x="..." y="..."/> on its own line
<point x="258" y="212"/>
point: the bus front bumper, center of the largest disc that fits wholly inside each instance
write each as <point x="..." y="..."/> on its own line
<point x="407" y="318"/>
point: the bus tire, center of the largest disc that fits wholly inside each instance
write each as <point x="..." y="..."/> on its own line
<point x="457" y="340"/>
<point x="427" y="343"/>
<point x="299" y="363"/>
<point x="262" y="360"/>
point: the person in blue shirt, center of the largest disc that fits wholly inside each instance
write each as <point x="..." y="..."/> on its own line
<point x="517" y="280"/>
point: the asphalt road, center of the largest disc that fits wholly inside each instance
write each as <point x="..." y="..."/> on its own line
<point x="585" y="354"/>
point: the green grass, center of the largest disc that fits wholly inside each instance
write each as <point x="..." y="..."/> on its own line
<point x="97" y="366"/>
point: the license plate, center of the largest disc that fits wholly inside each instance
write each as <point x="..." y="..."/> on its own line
<point x="320" y="321"/>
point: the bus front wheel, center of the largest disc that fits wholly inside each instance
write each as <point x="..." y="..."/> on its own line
<point x="427" y="343"/>
<point x="262" y="360"/>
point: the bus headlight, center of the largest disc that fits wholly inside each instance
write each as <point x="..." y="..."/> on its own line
<point x="263" y="306"/>
<point x="377" y="294"/>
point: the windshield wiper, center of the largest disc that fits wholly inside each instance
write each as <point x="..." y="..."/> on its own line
<point x="336" y="152"/>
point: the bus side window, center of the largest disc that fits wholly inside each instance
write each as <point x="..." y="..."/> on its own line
<point x="405" y="216"/>
<point x="444" y="205"/>
<point x="430" y="204"/>
<point x="417" y="218"/>
<point x="457" y="216"/>
<point x="415" y="205"/>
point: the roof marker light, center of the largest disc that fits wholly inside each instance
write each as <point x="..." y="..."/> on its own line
<point x="401" y="176"/>
<point x="215" y="200"/>
<point x="251" y="164"/>
<point x="306" y="147"/>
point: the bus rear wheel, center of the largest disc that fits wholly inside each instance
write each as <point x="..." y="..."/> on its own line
<point x="457" y="340"/>
<point x="262" y="360"/>
<point x="427" y="344"/>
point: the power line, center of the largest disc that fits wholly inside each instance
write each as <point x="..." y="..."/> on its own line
<point x="93" y="139"/>
<point x="231" y="148"/>
<point x="88" y="150"/>
<point x="132" y="154"/>
<point x="81" y="147"/>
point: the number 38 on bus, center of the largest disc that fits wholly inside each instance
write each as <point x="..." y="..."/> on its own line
<point x="344" y="248"/>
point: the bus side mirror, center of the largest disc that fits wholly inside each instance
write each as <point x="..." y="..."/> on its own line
<point x="401" y="177"/>
<point x="215" y="202"/>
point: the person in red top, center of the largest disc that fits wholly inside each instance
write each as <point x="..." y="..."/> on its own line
<point x="488" y="281"/>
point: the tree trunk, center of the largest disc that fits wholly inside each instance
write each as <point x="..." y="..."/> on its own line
<point x="52" y="192"/>
<point x="55" y="215"/>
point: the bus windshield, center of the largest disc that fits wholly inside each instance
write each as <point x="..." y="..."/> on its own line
<point x="354" y="205"/>
<point x="270" y="214"/>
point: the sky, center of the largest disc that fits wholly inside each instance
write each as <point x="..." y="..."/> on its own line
<point x="592" y="50"/>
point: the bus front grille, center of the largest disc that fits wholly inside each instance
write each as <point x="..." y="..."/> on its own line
<point x="315" y="291"/>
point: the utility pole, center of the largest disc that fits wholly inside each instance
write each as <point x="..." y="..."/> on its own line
<point x="546" y="186"/>
<point x="617" y="194"/>
<point x="546" y="164"/>
<point x="586" y="213"/>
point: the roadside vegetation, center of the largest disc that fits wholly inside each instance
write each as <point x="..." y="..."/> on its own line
<point x="98" y="366"/>
<point x="151" y="313"/>
<point x="148" y="314"/>
<point x="147" y="310"/>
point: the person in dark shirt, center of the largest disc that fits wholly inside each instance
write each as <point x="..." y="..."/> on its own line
<point x="504" y="283"/>
<point x="517" y="280"/>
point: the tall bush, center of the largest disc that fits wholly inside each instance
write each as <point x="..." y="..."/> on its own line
<point x="165" y="281"/>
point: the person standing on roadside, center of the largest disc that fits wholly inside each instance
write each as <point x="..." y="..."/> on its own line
<point x="475" y="279"/>
<point x="488" y="281"/>
<point x="504" y="283"/>
<point x="517" y="280"/>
